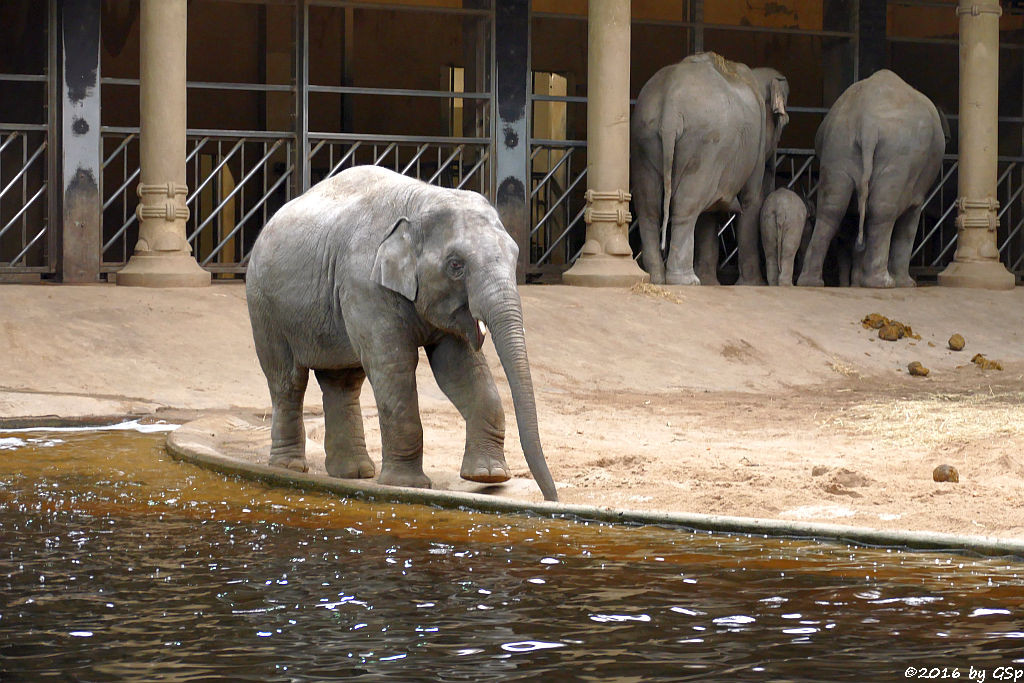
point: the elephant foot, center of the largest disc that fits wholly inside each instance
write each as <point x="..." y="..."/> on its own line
<point x="880" y="281"/>
<point x="906" y="282"/>
<point x="296" y="463"/>
<point x="806" y="280"/>
<point x="350" y="468"/>
<point x="657" y="278"/>
<point x="676" y="278"/>
<point x="403" y="474"/>
<point x="752" y="282"/>
<point x="484" y="467"/>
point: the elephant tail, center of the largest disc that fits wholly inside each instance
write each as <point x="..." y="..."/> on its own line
<point x="668" y="150"/>
<point x="867" y="153"/>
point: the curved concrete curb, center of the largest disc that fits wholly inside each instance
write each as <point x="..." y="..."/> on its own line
<point x="197" y="447"/>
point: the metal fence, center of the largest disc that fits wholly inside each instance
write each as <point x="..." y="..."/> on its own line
<point x="558" y="231"/>
<point x="24" y="219"/>
<point x="236" y="181"/>
<point x="459" y="163"/>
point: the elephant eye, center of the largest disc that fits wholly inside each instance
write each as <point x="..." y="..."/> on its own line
<point x="456" y="268"/>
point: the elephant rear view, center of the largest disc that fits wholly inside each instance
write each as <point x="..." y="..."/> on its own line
<point x="699" y="137"/>
<point x="883" y="140"/>
<point x="350" y="280"/>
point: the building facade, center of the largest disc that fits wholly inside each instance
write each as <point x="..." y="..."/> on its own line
<point x="487" y="95"/>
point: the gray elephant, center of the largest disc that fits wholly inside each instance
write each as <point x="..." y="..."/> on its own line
<point x="700" y="135"/>
<point x="885" y="140"/>
<point x="784" y="225"/>
<point x="349" y="280"/>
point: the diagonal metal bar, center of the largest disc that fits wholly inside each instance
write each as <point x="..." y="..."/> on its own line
<point x="28" y="246"/>
<point x="214" y="171"/>
<point x="473" y="170"/>
<point x="10" y="138"/>
<point x="23" y="209"/>
<point x="348" y="155"/>
<point x="256" y="167"/>
<point x="124" y="143"/>
<point x="935" y="228"/>
<point x="24" y="169"/>
<point x="941" y="183"/>
<point x="444" y="165"/>
<point x="568" y="229"/>
<point x="561" y="199"/>
<point x="1016" y="229"/>
<point x="121" y="189"/>
<point x="387" y="150"/>
<point x="416" y="157"/>
<point x="227" y="238"/>
<point x="119" y="232"/>
<point x="550" y="173"/>
<point x="796" y="175"/>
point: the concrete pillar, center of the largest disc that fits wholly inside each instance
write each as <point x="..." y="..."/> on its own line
<point x="607" y="260"/>
<point x="81" y="160"/>
<point x="163" y="257"/>
<point x="976" y="262"/>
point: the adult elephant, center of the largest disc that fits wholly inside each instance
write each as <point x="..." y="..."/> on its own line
<point x="350" y="280"/>
<point x="885" y="140"/>
<point x="700" y="135"/>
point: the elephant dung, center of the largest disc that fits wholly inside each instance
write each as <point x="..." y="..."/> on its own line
<point x="889" y="330"/>
<point x="985" y="363"/>
<point x="946" y="473"/>
<point x="917" y="370"/>
<point x="957" y="342"/>
<point x="874" y="321"/>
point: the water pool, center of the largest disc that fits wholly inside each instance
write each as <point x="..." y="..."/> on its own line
<point x="117" y="562"/>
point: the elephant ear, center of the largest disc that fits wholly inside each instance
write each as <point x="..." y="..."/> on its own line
<point x="395" y="265"/>
<point x="777" y="97"/>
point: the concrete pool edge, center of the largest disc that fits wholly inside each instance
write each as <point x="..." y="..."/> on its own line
<point x="199" y="452"/>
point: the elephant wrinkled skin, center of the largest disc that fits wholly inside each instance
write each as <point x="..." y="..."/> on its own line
<point x="700" y="135"/>
<point x="784" y="218"/>
<point x="884" y="140"/>
<point x="349" y="280"/>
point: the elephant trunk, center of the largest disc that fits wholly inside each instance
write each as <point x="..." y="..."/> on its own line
<point x="501" y="310"/>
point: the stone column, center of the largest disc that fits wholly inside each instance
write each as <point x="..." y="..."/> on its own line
<point x="163" y="257"/>
<point x="976" y="262"/>
<point x="607" y="260"/>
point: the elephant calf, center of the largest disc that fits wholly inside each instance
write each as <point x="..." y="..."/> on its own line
<point x="350" y="280"/>
<point x="784" y="223"/>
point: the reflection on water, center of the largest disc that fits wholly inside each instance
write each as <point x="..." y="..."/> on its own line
<point x="119" y="563"/>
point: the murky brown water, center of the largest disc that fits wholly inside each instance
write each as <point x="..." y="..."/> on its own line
<point x="118" y="563"/>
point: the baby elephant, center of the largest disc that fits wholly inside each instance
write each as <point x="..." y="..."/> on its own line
<point x="784" y="226"/>
<point x="349" y="280"/>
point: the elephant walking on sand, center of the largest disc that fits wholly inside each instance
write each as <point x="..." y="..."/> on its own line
<point x="350" y="280"/>
<point x="700" y="135"/>
<point x="884" y="140"/>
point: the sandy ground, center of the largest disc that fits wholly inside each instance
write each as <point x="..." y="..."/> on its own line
<point x="762" y="402"/>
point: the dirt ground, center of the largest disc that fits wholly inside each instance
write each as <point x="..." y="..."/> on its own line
<point x="763" y="402"/>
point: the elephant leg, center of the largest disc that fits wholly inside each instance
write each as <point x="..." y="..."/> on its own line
<point x="747" y="238"/>
<point x="902" y="246"/>
<point x="834" y="194"/>
<point x="393" y="378"/>
<point x="465" y="379"/>
<point x="792" y="233"/>
<point x="706" y="249"/>
<point x="679" y="266"/>
<point x="343" y="421"/>
<point x="769" y="239"/>
<point x="874" y="262"/>
<point x="287" y="433"/>
<point x="647" y="203"/>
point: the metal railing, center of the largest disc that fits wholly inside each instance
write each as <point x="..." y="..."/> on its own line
<point x="459" y="163"/>
<point x="557" y="204"/>
<point x="236" y="181"/>
<point x="24" y="220"/>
